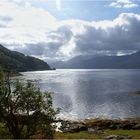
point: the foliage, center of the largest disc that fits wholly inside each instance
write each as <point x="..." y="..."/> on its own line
<point x="25" y="110"/>
<point x="19" y="62"/>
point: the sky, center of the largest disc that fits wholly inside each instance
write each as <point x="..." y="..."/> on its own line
<point x="54" y="30"/>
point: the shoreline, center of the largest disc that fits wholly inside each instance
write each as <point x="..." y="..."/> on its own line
<point x="97" y="128"/>
<point x="98" y="124"/>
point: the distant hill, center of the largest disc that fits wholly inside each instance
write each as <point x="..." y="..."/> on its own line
<point x="17" y="61"/>
<point x="101" y="62"/>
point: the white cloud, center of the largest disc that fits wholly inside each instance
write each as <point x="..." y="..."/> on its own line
<point x="58" y="5"/>
<point x="36" y="32"/>
<point x="123" y="4"/>
<point x="27" y="24"/>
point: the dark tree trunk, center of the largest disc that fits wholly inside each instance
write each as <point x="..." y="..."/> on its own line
<point x="13" y="126"/>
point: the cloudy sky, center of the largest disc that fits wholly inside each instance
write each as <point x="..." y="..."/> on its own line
<point x="61" y="29"/>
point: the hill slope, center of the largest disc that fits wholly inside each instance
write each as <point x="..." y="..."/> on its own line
<point x="102" y="62"/>
<point x="17" y="61"/>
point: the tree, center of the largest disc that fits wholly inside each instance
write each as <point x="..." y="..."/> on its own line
<point x="25" y="110"/>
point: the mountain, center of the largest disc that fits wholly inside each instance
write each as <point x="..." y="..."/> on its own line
<point x="17" y="61"/>
<point x="101" y="62"/>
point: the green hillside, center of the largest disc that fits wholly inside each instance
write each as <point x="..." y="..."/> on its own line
<point x="17" y="61"/>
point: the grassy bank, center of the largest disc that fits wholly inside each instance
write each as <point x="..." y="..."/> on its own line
<point x="133" y="134"/>
<point x="99" y="129"/>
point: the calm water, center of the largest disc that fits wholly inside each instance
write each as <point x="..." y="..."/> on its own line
<point x="92" y="93"/>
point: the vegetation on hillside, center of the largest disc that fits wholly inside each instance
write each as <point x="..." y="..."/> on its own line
<point x="17" y="61"/>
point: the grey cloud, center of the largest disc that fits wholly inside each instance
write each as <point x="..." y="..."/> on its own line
<point x="119" y="38"/>
<point x="2" y="25"/>
<point x="5" y="18"/>
<point x="46" y="49"/>
<point x="62" y="34"/>
<point x="58" y="37"/>
<point x="125" y="37"/>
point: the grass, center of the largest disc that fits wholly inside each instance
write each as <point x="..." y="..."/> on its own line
<point x="3" y="132"/>
<point x="78" y="135"/>
<point x="135" y="134"/>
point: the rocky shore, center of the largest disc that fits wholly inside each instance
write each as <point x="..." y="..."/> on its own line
<point x="99" y="127"/>
<point x="92" y="125"/>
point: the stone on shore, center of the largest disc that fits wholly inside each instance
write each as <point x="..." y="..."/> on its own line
<point x="117" y="137"/>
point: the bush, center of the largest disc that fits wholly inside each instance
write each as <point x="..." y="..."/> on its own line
<point x="25" y="110"/>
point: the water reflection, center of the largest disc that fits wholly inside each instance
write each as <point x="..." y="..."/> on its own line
<point x="92" y="93"/>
